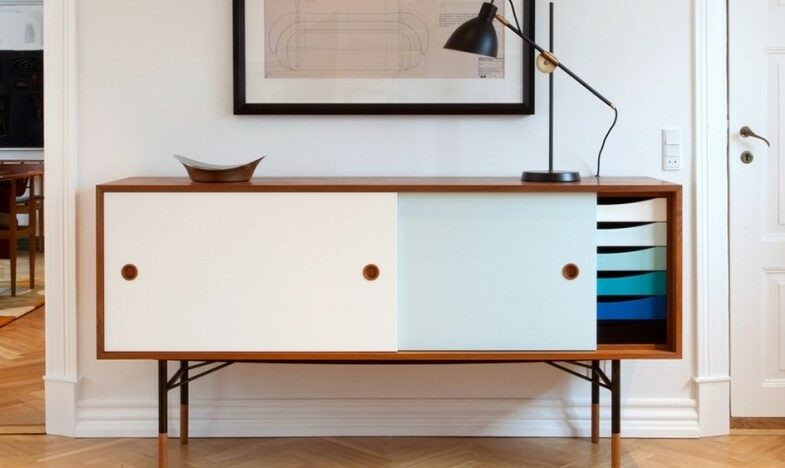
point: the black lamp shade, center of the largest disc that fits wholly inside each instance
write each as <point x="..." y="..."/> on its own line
<point x="477" y="36"/>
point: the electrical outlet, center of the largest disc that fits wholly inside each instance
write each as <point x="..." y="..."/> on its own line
<point x="670" y="163"/>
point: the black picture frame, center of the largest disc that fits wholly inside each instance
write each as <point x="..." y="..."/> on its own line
<point x="242" y="107"/>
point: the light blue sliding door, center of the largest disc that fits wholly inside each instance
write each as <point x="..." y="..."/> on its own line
<point x="484" y="271"/>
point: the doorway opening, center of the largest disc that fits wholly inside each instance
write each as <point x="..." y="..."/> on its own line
<point x="22" y="281"/>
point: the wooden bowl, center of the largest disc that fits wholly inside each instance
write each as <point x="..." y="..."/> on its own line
<point x="212" y="173"/>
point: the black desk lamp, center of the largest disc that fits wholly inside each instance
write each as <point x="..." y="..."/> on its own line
<point x="478" y="36"/>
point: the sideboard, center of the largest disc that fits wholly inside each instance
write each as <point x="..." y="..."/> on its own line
<point x="389" y="271"/>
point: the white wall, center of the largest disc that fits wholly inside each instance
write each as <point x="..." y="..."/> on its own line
<point x="21" y="28"/>
<point x="155" y="79"/>
<point x="21" y="25"/>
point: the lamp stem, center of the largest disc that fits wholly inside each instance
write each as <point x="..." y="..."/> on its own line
<point x="551" y="84"/>
<point x="566" y="70"/>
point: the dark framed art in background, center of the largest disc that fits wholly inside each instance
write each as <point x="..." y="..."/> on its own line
<point x="374" y="57"/>
<point x="21" y="99"/>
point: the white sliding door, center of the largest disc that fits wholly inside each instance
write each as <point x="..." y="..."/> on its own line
<point x="250" y="272"/>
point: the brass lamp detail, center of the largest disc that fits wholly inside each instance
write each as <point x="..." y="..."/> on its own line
<point x="547" y="63"/>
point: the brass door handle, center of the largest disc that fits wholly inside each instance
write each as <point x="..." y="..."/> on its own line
<point x="747" y="132"/>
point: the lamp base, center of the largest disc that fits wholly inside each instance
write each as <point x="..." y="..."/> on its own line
<point x="551" y="176"/>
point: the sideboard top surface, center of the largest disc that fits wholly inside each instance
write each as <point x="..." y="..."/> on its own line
<point x="606" y="185"/>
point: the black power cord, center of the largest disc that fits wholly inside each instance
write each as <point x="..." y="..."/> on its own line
<point x="515" y="16"/>
<point x="605" y="140"/>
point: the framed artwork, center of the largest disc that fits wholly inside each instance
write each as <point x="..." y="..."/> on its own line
<point x="375" y="57"/>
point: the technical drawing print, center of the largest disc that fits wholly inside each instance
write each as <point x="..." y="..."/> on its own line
<point x="370" y="39"/>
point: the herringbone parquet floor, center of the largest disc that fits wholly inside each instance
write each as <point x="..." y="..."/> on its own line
<point x="22" y="374"/>
<point x="734" y="451"/>
<point x="21" y="403"/>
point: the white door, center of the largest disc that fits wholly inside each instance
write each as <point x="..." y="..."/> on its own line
<point x="222" y="272"/>
<point x="757" y="207"/>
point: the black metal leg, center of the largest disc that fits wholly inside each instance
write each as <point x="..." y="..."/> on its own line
<point x="163" y="422"/>
<point x="616" y="414"/>
<point x="184" y="403"/>
<point x="595" y="402"/>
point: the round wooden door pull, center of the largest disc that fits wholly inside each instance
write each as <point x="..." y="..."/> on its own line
<point x="371" y="272"/>
<point x="571" y="271"/>
<point x="129" y="272"/>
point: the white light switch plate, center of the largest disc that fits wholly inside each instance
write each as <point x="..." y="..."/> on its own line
<point x="671" y="136"/>
<point x="671" y="149"/>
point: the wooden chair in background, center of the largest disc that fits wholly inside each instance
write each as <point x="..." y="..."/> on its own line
<point x="15" y="181"/>
<point x="31" y="203"/>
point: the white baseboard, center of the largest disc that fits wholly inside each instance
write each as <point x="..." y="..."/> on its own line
<point x="714" y="407"/>
<point x="387" y="417"/>
<point x="60" y="406"/>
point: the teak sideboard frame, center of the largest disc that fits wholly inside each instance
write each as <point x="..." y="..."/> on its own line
<point x="582" y="364"/>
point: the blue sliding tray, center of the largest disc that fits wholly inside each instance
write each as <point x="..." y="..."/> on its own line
<point x="645" y="284"/>
<point x="651" y="259"/>
<point x="648" y="308"/>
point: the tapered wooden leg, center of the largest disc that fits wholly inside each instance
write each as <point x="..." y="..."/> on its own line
<point x="41" y="214"/>
<point x="41" y="224"/>
<point x="616" y="415"/>
<point x="31" y="237"/>
<point x="12" y="235"/>
<point x="163" y="423"/>
<point x="184" y="403"/>
<point x="616" y="451"/>
<point x="31" y="260"/>
<point x="12" y="254"/>
<point x="595" y="402"/>
<point x="163" y="451"/>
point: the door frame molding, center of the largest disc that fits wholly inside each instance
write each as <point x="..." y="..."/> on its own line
<point x="712" y="311"/>
<point x="60" y="158"/>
